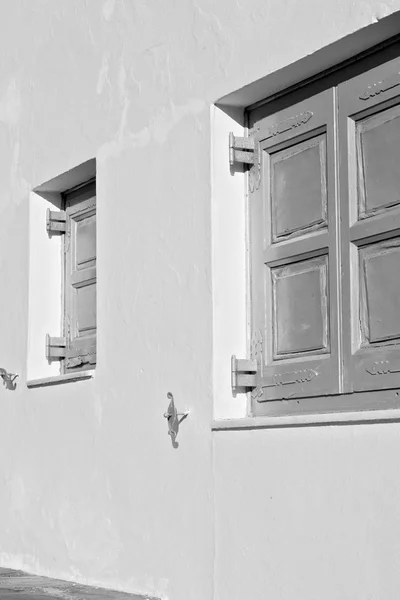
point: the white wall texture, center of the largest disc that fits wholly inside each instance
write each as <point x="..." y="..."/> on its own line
<point x="91" y="488"/>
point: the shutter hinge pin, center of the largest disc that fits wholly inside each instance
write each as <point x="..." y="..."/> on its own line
<point x="243" y="373"/>
<point x="241" y="150"/>
<point x="56" y="222"/>
<point x="55" y="348"/>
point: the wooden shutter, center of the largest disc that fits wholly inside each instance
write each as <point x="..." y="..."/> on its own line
<point x="294" y="253"/>
<point x="369" y="130"/>
<point x="80" y="279"/>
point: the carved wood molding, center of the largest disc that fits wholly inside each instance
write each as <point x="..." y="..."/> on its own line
<point x="288" y="124"/>
<point x="384" y="367"/>
<point x="381" y="86"/>
<point x="289" y="378"/>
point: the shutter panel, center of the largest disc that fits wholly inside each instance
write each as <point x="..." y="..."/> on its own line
<point x="80" y="280"/>
<point x="294" y="248"/>
<point x="369" y="130"/>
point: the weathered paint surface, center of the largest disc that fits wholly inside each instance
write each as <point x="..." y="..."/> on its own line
<point x="91" y="488"/>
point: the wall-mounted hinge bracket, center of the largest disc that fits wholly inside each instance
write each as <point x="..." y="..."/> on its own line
<point x="56" y="222"/>
<point x="55" y="348"/>
<point x="243" y="374"/>
<point x="241" y="150"/>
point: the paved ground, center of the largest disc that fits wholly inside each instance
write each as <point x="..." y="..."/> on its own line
<point x="17" y="585"/>
<point x="21" y="596"/>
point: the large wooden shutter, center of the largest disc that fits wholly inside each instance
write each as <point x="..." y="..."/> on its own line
<point x="294" y="241"/>
<point x="369" y="130"/>
<point x="80" y="279"/>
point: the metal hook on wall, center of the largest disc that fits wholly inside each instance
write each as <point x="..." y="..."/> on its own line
<point x="174" y="419"/>
<point x="8" y="379"/>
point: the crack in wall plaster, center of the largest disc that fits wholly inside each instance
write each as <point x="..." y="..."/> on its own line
<point x="19" y="186"/>
<point x="124" y="96"/>
<point x="382" y="11"/>
<point x="88" y="533"/>
<point x="163" y="124"/>
<point x="10" y="105"/>
<point x="158" y="130"/>
<point x="10" y="115"/>
<point x="108" y="9"/>
<point x="122" y="80"/>
<point x="103" y="77"/>
<point x="212" y="41"/>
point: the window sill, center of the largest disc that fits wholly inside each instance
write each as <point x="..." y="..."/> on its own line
<point x="345" y="418"/>
<point x="59" y="379"/>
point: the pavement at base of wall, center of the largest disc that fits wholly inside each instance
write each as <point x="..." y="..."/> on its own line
<point x="17" y="585"/>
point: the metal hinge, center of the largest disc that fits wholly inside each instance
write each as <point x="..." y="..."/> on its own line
<point x="55" y="348"/>
<point x="243" y="373"/>
<point x="56" y="221"/>
<point x="241" y="150"/>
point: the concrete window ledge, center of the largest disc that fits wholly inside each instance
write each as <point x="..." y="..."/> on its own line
<point x="17" y="584"/>
<point x="344" y="418"/>
<point x="59" y="379"/>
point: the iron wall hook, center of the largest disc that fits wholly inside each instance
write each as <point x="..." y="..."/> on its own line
<point x="8" y="379"/>
<point x="174" y="418"/>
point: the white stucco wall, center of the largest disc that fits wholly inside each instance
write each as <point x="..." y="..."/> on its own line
<point x="91" y="488"/>
<point x="318" y="508"/>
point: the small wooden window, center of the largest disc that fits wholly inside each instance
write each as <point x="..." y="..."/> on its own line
<point x="76" y="223"/>
<point x="80" y="278"/>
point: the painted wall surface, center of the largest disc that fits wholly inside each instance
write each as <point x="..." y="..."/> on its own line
<point x="91" y="488"/>
<point x="319" y="513"/>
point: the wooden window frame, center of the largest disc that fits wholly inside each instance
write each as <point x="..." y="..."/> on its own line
<point x="67" y="246"/>
<point x="342" y="402"/>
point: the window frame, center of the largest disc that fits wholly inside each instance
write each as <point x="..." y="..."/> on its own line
<point x="78" y="195"/>
<point x="341" y="402"/>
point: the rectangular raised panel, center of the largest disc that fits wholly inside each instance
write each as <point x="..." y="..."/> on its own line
<point x="86" y="309"/>
<point x="298" y="189"/>
<point x="378" y="149"/>
<point x="380" y="292"/>
<point x="300" y="308"/>
<point x="86" y="241"/>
